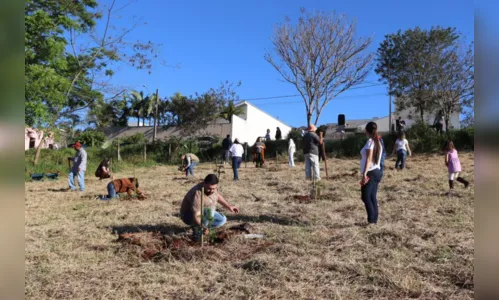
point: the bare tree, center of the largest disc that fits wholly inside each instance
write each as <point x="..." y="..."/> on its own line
<point x="454" y="81"/>
<point x="321" y="57"/>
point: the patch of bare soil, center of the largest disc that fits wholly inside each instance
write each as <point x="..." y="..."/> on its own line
<point x="156" y="245"/>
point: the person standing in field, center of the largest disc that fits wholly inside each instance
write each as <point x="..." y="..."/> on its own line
<point x="79" y="167"/>
<point x="226" y="144"/>
<point x="267" y="135"/>
<point x="190" y="161"/>
<point x="291" y="153"/>
<point x="259" y="152"/>
<point x="453" y="166"/>
<point x="190" y="211"/>
<point x="370" y="170"/>
<point x="278" y="134"/>
<point x="402" y="148"/>
<point x="237" y="152"/>
<point x="311" y="143"/>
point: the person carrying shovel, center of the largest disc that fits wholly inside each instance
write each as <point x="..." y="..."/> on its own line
<point x="190" y="210"/>
<point x="78" y="169"/>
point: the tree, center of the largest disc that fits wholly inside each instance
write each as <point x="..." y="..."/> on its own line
<point x="454" y="81"/>
<point x="230" y="110"/>
<point x="68" y="60"/>
<point x="409" y="61"/>
<point x="321" y="57"/>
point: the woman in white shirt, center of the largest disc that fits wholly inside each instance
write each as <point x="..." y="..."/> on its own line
<point x="402" y="148"/>
<point x="371" y="171"/>
<point x="291" y="153"/>
<point x="237" y="152"/>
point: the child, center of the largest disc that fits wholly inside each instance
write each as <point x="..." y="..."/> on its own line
<point x="454" y="166"/>
<point x="402" y="148"/>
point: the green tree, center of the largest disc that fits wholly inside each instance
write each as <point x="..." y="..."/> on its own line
<point x="230" y="110"/>
<point x="411" y="62"/>
<point x="68" y="59"/>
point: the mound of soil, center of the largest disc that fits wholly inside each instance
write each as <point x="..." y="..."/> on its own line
<point x="155" y="245"/>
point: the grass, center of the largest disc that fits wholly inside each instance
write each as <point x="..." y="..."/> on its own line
<point x="423" y="246"/>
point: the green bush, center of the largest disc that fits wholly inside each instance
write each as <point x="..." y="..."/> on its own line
<point x="91" y="138"/>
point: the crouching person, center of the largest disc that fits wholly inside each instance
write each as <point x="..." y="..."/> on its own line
<point x="190" y="211"/>
<point x="123" y="185"/>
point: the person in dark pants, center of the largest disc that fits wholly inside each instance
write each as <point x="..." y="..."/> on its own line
<point x="237" y="152"/>
<point x="371" y="171"/>
<point x="226" y="144"/>
<point x="402" y="148"/>
<point x="278" y="134"/>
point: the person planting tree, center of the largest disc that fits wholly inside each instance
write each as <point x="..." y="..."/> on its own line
<point x="123" y="185"/>
<point x="202" y="221"/>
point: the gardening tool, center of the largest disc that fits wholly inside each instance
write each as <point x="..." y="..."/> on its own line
<point x="324" y="154"/>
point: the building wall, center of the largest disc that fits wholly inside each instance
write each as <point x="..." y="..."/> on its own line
<point x="255" y="125"/>
<point x="410" y="119"/>
<point x="38" y="135"/>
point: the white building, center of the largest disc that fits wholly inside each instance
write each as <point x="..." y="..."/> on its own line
<point x="247" y="127"/>
<point x="411" y="117"/>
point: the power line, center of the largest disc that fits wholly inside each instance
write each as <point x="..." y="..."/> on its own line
<point x="338" y="98"/>
<point x="298" y="95"/>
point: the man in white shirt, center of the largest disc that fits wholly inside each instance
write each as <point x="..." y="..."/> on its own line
<point x="237" y="152"/>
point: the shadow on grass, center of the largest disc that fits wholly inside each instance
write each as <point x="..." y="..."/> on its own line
<point x="162" y="228"/>
<point x="266" y="219"/>
<point x="61" y="190"/>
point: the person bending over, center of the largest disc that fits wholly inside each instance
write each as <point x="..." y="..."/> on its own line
<point x="123" y="185"/>
<point x="190" y="211"/>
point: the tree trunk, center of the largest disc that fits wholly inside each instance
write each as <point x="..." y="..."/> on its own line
<point x="447" y="120"/>
<point x="38" y="151"/>
<point x="138" y="120"/>
<point x="309" y="118"/>
<point x="421" y="114"/>
<point x="145" y="152"/>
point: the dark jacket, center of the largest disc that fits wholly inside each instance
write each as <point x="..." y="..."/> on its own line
<point x="226" y="144"/>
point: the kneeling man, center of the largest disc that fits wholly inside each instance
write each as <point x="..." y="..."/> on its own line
<point x="190" y="212"/>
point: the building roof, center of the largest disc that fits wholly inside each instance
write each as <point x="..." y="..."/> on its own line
<point x="221" y="129"/>
<point x="244" y="102"/>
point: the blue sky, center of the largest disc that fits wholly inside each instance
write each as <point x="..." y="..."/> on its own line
<point x="214" y="41"/>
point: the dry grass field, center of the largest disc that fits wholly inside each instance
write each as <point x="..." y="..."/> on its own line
<point x="422" y="247"/>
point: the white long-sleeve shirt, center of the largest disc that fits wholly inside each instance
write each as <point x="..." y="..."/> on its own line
<point x="236" y="150"/>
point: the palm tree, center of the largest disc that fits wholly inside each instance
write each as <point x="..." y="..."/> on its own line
<point x="142" y="106"/>
<point x="230" y="110"/>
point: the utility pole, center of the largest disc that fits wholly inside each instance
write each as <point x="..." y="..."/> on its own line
<point x="390" y="99"/>
<point x="155" y="117"/>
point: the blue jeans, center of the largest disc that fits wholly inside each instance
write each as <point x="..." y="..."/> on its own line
<point x="190" y="169"/>
<point x="111" y="192"/>
<point x="236" y="163"/>
<point x="218" y="219"/>
<point x="401" y="156"/>
<point x="369" y="193"/>
<point x="81" y="180"/>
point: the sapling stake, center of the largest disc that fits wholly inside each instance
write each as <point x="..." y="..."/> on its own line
<point x="324" y="154"/>
<point x="202" y="215"/>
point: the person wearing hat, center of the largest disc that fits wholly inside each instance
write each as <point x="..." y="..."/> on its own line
<point x="79" y="167"/>
<point x="311" y="142"/>
<point x="237" y="152"/>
